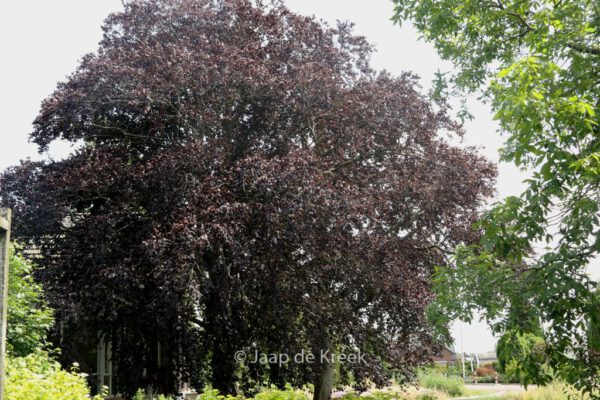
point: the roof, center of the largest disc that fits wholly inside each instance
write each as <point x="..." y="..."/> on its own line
<point x="490" y="355"/>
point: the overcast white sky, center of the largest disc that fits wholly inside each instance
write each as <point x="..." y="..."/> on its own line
<point x="43" y="41"/>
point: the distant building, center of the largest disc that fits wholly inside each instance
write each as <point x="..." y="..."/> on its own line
<point x="444" y="357"/>
<point x="487" y="357"/>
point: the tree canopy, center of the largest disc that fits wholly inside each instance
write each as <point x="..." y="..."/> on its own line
<point x="537" y="63"/>
<point x="244" y="181"/>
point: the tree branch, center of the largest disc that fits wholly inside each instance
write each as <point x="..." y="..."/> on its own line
<point x="584" y="49"/>
<point x="521" y="19"/>
<point x="120" y="130"/>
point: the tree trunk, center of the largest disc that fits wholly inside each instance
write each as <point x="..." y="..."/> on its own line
<point x="324" y="374"/>
<point x="224" y="374"/>
<point x="324" y="382"/>
<point x="219" y="319"/>
<point x="223" y="362"/>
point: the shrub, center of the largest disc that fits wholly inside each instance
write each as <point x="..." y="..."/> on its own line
<point x="491" y="365"/>
<point x="29" y="317"/>
<point x="374" y="395"/>
<point x="288" y="394"/>
<point x="213" y="394"/>
<point x="522" y="358"/>
<point x="398" y="393"/>
<point x="487" y="379"/>
<point x="554" y="391"/>
<point x="38" y="377"/>
<point x="485" y="371"/>
<point x="428" y="396"/>
<point x="452" y="385"/>
<point x="512" y="372"/>
<point x="141" y="394"/>
<point x="380" y="395"/>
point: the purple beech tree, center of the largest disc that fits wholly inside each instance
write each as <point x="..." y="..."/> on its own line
<point x="244" y="181"/>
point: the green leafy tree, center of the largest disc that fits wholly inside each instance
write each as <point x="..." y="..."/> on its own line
<point x="537" y="62"/>
<point x="593" y="331"/>
<point x="521" y="357"/>
<point x="29" y="318"/>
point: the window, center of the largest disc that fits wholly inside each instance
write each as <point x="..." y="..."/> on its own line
<point x="104" y="369"/>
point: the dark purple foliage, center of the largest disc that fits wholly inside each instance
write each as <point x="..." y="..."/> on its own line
<point x="245" y="181"/>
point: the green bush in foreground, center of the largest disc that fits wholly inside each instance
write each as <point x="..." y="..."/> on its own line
<point x="398" y="394"/>
<point x="38" y="377"/>
<point x="268" y="394"/>
<point x="370" y="396"/>
<point x="288" y="394"/>
<point x="142" y="395"/>
<point x="392" y="393"/>
<point x="452" y="385"/>
<point x="29" y="317"/>
<point x="555" y="391"/>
